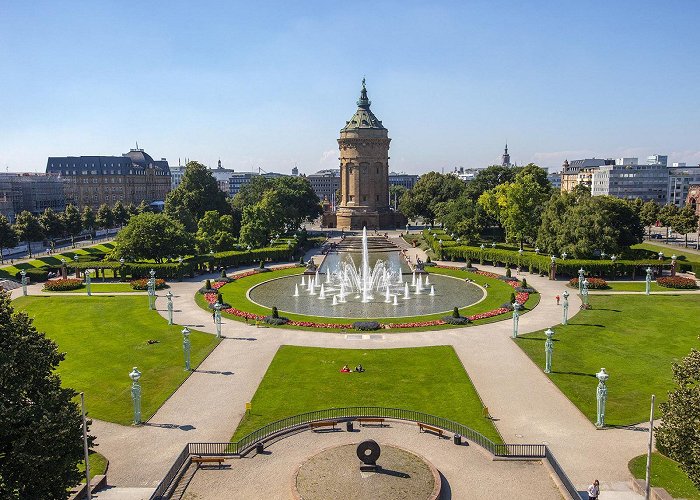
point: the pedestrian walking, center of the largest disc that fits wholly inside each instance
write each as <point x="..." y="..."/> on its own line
<point x="557" y="297"/>
<point x="594" y="490"/>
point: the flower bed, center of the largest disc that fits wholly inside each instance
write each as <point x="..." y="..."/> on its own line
<point x="593" y="283"/>
<point x="63" y="285"/>
<point x="142" y="284"/>
<point x="677" y="282"/>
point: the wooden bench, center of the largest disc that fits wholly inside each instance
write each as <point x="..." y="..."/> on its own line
<point x="320" y="425"/>
<point x="208" y="460"/>
<point x="428" y="428"/>
<point x="373" y="421"/>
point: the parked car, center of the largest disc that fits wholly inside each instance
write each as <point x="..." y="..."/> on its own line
<point x="656" y="236"/>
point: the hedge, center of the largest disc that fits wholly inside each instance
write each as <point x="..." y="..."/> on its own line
<point x="35" y="274"/>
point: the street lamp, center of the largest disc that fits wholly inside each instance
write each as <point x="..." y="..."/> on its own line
<point x="64" y="274"/>
<point x="152" y="290"/>
<point x="563" y="255"/>
<point x="520" y="254"/>
<point x="565" y="318"/>
<point x="407" y="228"/>
<point x="584" y="294"/>
<point x="516" y="318"/>
<point x="169" y="296"/>
<point x="217" y="319"/>
<point x="601" y="397"/>
<point x="673" y="264"/>
<point x="537" y="250"/>
<point x="76" y="258"/>
<point x="548" y="348"/>
<point x="24" y="281"/>
<point x="647" y="285"/>
<point x="481" y="255"/>
<point x="581" y="277"/>
<point x="121" y="267"/>
<point x="186" y="346"/>
<point x="135" y="375"/>
<point x="88" y="280"/>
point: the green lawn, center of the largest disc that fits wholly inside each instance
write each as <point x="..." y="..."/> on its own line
<point x="688" y="256"/>
<point x="98" y="465"/>
<point x="427" y="379"/>
<point x="104" y="288"/>
<point x="634" y="286"/>
<point x="498" y="293"/>
<point x="10" y="271"/>
<point x="666" y="474"/>
<point x="635" y="337"/>
<point x="103" y="338"/>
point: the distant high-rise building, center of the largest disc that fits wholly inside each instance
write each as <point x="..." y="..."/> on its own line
<point x="657" y="160"/>
<point x="505" y="157"/>
<point x="680" y="178"/>
<point x="222" y="176"/>
<point x="402" y="179"/>
<point x="295" y="171"/>
<point x="326" y="183"/>
<point x="628" y="179"/>
<point x="579" y="172"/>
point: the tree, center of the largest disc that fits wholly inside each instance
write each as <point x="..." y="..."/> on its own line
<point x="105" y="217"/>
<point x="300" y="202"/>
<point x="685" y="221"/>
<point x="72" y="222"/>
<point x="88" y="219"/>
<point x="395" y="193"/>
<point x="488" y="178"/>
<point x="41" y="431"/>
<point x="131" y="210"/>
<point x="666" y="216"/>
<point x="197" y="193"/>
<point x="461" y="216"/>
<point x="153" y="236"/>
<point x="143" y="207"/>
<point x="262" y="220"/>
<point x="8" y="236"/>
<point x="51" y="224"/>
<point x="215" y="232"/>
<point x="251" y="193"/>
<point x="119" y="214"/>
<point x="431" y="188"/>
<point x="28" y="229"/>
<point x="649" y="214"/>
<point x="678" y="436"/>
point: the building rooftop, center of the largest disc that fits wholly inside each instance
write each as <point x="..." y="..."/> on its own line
<point x="363" y="117"/>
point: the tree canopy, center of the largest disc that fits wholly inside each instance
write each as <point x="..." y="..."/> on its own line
<point x="197" y="193"/>
<point x="72" y="222"/>
<point x="51" y="223"/>
<point x="431" y="189"/>
<point x="104" y="217"/>
<point x="153" y="236"/>
<point x="8" y="236"/>
<point x="28" y="228"/>
<point x="461" y="216"/>
<point x="40" y="424"/>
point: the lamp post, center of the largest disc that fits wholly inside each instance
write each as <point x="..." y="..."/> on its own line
<point x="481" y="255"/>
<point x="169" y="296"/>
<point x="135" y="375"/>
<point x="563" y="255"/>
<point x="516" y="318"/>
<point x="186" y="346"/>
<point x="647" y="286"/>
<point x="64" y="273"/>
<point x="88" y="281"/>
<point x="548" y="348"/>
<point x="613" y="258"/>
<point x="23" y="273"/>
<point x="85" y="445"/>
<point x="407" y="228"/>
<point x="76" y="258"/>
<point x="537" y="250"/>
<point x="584" y="294"/>
<point x="673" y="264"/>
<point x="565" y="308"/>
<point x="601" y="397"/>
<point x="121" y="268"/>
<point x="520" y="255"/>
<point x="581" y="277"/>
<point x="553" y="268"/>
<point x="217" y="319"/>
<point x="152" y="290"/>
<point x="493" y="244"/>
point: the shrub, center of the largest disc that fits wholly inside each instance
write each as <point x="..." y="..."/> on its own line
<point x="34" y="275"/>
<point x="469" y="263"/>
<point x="677" y="282"/>
<point x="63" y="285"/>
<point x="508" y="273"/>
<point x="301" y="260"/>
<point x="512" y="297"/>
<point x="593" y="283"/>
<point x="450" y="320"/>
<point x="275" y="321"/>
<point x="262" y="264"/>
<point x="366" y="325"/>
<point x="427" y="260"/>
<point x="455" y="312"/>
<point x="524" y="283"/>
<point x="207" y="285"/>
<point x="275" y="312"/>
<point x="223" y="273"/>
<point x="142" y="284"/>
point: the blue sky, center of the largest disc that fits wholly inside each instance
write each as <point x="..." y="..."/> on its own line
<point x="270" y="85"/>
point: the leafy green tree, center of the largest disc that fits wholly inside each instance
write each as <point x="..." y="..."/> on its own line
<point x="28" y="228"/>
<point x="153" y="236"/>
<point x="685" y="221"/>
<point x="649" y="214"/>
<point x="8" y="237"/>
<point x="431" y="188"/>
<point x="214" y="232"/>
<point x="88" y="218"/>
<point x="261" y="220"/>
<point x="72" y="222"/>
<point x="678" y="436"/>
<point x="196" y="194"/>
<point x="300" y="202"/>
<point x="51" y="223"/>
<point x="251" y="193"/>
<point x="104" y="217"/>
<point x="131" y="210"/>
<point x="119" y="214"/>
<point x="488" y="178"/>
<point x="666" y="215"/>
<point x="41" y="432"/>
<point x="395" y="194"/>
<point x="461" y="216"/>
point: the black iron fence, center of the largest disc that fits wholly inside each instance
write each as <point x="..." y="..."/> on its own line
<point x="296" y="422"/>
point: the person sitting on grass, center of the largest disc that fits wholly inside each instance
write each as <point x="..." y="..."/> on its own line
<point x="359" y="369"/>
<point x="345" y="369"/>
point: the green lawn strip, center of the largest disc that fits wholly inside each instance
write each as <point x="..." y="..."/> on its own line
<point x="668" y="251"/>
<point x="103" y="338"/>
<point x="426" y="379"/>
<point x="498" y="293"/>
<point x="633" y="286"/>
<point x="635" y="337"/>
<point x="666" y="474"/>
<point x="104" y="288"/>
<point x="54" y="260"/>
<point x="98" y="465"/>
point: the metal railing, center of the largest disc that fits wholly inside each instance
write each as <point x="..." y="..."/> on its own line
<point x="302" y="421"/>
<point x="565" y="481"/>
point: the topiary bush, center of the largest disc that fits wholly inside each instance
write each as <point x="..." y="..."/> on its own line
<point x="455" y="312"/>
<point x="455" y="319"/>
<point x="63" y="285"/>
<point x="275" y="312"/>
<point x="366" y="326"/>
<point x="275" y="318"/>
<point x="508" y="273"/>
<point x="677" y="282"/>
<point x="207" y="288"/>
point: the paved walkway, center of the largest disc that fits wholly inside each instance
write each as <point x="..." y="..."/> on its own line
<point x="527" y="406"/>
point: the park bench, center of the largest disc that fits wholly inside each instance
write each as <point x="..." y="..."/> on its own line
<point x="320" y="425"/>
<point x="208" y="460"/>
<point x="372" y="421"/>
<point x="427" y="428"/>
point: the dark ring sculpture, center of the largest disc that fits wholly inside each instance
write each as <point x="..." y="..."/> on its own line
<point x="368" y="452"/>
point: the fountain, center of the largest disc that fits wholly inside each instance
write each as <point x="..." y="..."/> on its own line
<point x="427" y="280"/>
<point x="432" y="290"/>
<point x="303" y="280"/>
<point x="387" y="299"/>
<point x="322" y="293"/>
<point x="296" y="290"/>
<point x="413" y="279"/>
<point x="335" y="300"/>
<point x="396" y="300"/>
<point x="405" y="291"/>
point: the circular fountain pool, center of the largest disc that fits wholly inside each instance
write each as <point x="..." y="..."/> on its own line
<point x="439" y="294"/>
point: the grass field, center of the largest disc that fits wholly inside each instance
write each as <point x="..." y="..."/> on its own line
<point x="636" y="286"/>
<point x="635" y="337"/>
<point x="103" y="338"/>
<point x="98" y="465"/>
<point x="427" y="379"/>
<point x="665" y="473"/>
<point x="498" y="293"/>
<point x="683" y="256"/>
<point x="10" y="271"/>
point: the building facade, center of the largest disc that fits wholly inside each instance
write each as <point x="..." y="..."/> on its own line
<point x="364" y="171"/>
<point x="402" y="179"/>
<point x="693" y="199"/>
<point x="32" y="192"/>
<point x="93" y="180"/>
<point x="237" y="180"/>
<point x="505" y="158"/>
<point x="629" y="180"/>
<point x="680" y="178"/>
<point x="326" y="184"/>
<point x="572" y="175"/>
